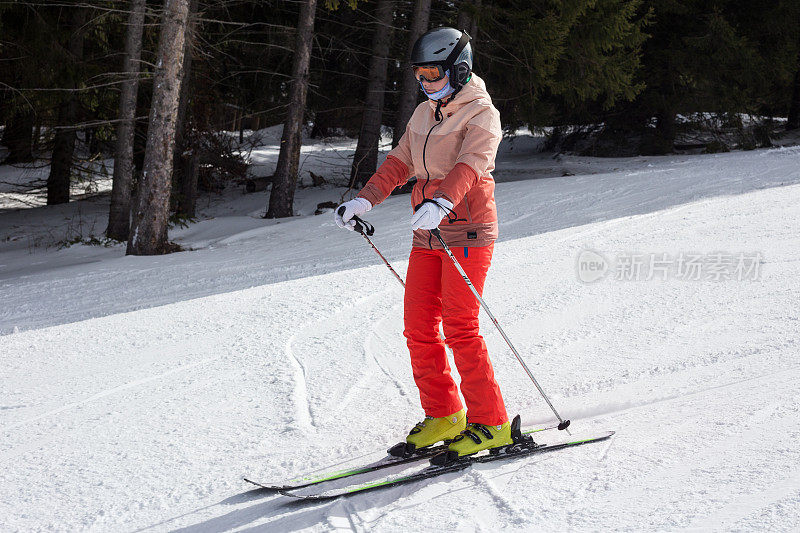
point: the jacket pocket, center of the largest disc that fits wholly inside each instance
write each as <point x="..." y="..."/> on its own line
<point x="461" y="212"/>
<point x="466" y="207"/>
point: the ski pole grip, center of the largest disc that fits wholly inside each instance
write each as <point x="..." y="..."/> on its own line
<point x="362" y="226"/>
<point x="358" y="227"/>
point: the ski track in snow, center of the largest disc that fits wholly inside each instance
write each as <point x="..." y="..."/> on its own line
<point x="302" y="408"/>
<point x="378" y="341"/>
<point x="103" y="394"/>
<point x="147" y="420"/>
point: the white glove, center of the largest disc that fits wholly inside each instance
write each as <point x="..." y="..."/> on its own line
<point x="355" y="207"/>
<point x="430" y="214"/>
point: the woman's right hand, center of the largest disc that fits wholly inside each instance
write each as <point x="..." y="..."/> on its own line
<point x="355" y="207"/>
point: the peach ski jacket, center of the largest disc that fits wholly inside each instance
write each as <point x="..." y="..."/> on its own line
<point x="451" y="158"/>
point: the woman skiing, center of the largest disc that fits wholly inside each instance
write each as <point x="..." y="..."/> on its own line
<point x="449" y="144"/>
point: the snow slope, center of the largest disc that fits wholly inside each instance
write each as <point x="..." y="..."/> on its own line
<point x="236" y="249"/>
<point x="272" y="355"/>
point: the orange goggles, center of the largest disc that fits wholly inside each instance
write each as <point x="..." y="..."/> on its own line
<point x="429" y="73"/>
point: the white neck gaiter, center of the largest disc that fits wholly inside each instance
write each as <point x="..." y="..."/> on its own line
<point x="444" y="92"/>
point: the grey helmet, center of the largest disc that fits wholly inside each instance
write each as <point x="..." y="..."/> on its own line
<point x="449" y="48"/>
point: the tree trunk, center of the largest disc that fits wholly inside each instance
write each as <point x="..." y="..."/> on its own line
<point x="185" y="162"/>
<point x="151" y="214"/>
<point x="63" y="149"/>
<point x="37" y="133"/>
<point x="120" y="211"/>
<point x="793" y="121"/>
<point x="241" y="126"/>
<point x="64" y="140"/>
<point x="18" y="137"/>
<point x="281" y="199"/>
<point x="191" y="167"/>
<point x="467" y="19"/>
<point x="661" y="140"/>
<point x="365" y="160"/>
<point x="407" y="99"/>
<point x="140" y="132"/>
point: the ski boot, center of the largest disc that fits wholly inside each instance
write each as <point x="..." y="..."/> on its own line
<point x="478" y="437"/>
<point x="429" y="432"/>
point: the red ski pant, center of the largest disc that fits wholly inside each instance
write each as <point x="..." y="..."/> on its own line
<point x="437" y="294"/>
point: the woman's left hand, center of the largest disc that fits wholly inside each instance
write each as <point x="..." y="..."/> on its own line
<point x="430" y="214"/>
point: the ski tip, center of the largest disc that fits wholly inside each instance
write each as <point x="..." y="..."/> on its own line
<point x="261" y="486"/>
<point x="304" y="497"/>
<point x="601" y="436"/>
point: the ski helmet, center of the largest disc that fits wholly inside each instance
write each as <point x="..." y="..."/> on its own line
<point x="449" y="48"/>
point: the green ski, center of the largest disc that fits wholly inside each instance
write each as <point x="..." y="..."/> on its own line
<point x="422" y="455"/>
<point x="512" y="451"/>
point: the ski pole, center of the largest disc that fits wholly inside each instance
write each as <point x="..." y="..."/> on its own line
<point x="366" y="229"/>
<point x="563" y="424"/>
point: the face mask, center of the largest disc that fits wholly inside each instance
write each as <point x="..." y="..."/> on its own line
<point x="444" y="92"/>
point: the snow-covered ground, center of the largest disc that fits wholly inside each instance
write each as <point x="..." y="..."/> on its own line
<point x="135" y="392"/>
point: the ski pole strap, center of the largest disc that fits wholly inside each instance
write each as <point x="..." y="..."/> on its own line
<point x="362" y="226"/>
<point x="451" y="215"/>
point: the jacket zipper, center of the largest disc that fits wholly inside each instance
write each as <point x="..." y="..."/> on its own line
<point x="425" y="166"/>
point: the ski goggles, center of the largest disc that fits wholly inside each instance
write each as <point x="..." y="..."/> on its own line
<point x="429" y="73"/>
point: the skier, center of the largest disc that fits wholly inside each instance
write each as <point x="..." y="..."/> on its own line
<point x="449" y="144"/>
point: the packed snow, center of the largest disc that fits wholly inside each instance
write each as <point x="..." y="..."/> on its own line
<point x="137" y="392"/>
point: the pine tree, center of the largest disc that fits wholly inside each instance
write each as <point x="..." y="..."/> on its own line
<point x="281" y="199"/>
<point x="58" y="182"/>
<point x="546" y="59"/>
<point x="120" y="207"/>
<point x="468" y="18"/>
<point x="773" y="32"/>
<point x="18" y="111"/>
<point x="150" y="218"/>
<point x="185" y="157"/>
<point x="18" y="135"/>
<point x="793" y="118"/>
<point x="409" y="90"/>
<point x="699" y="59"/>
<point x="366" y="154"/>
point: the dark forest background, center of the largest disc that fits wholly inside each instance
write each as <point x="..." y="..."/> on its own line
<point x="605" y="77"/>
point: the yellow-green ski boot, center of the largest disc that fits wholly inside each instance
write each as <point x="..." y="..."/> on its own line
<point x="475" y="438"/>
<point x="429" y="432"/>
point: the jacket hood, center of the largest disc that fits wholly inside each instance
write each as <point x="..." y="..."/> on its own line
<point x="475" y="89"/>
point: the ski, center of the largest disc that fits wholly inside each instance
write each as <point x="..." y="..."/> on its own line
<point x="512" y="451"/>
<point x="384" y="463"/>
